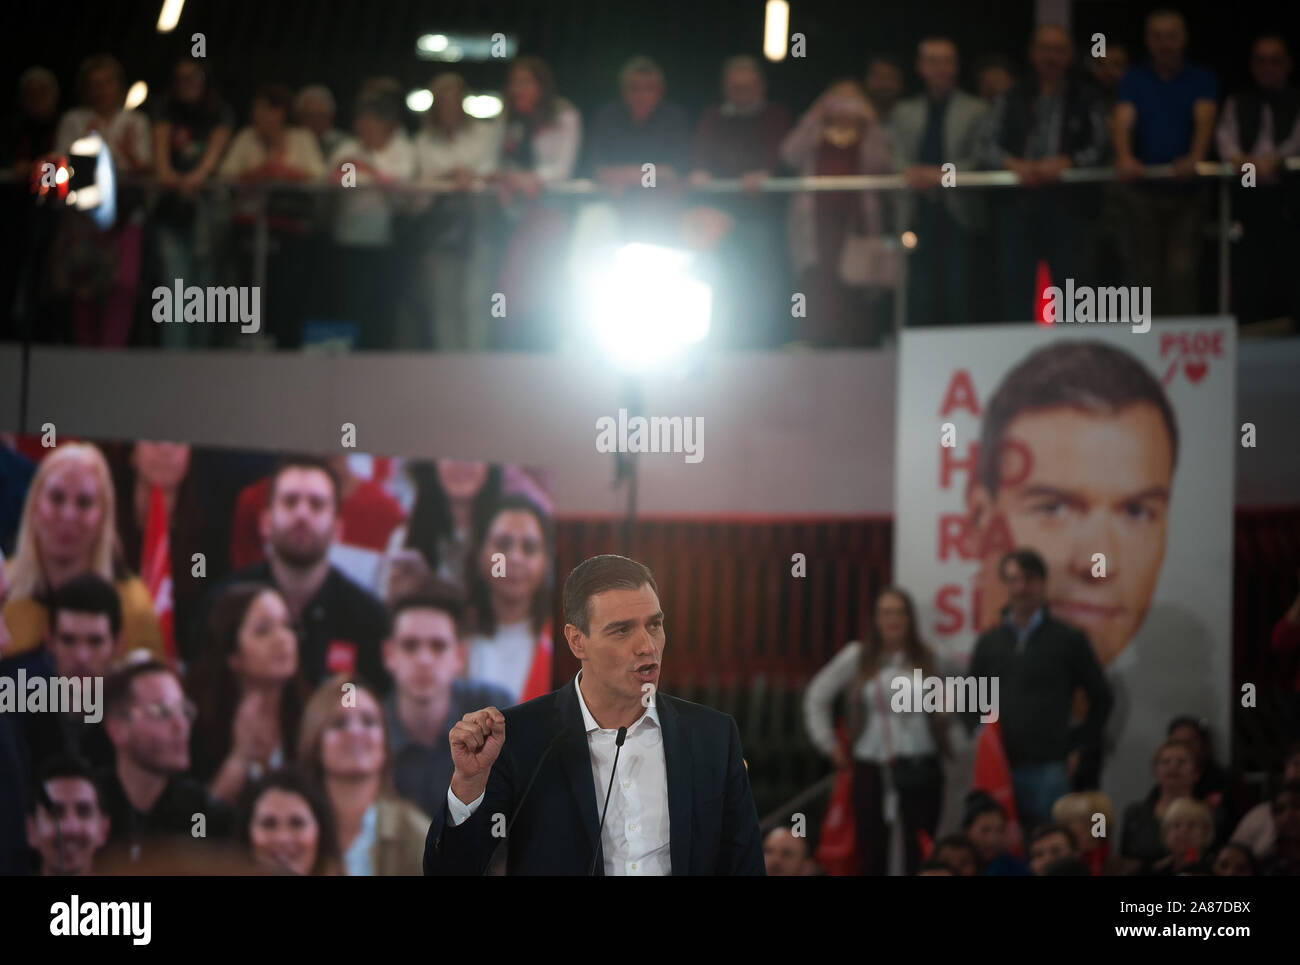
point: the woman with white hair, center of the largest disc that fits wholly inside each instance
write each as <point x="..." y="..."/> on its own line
<point x="69" y="528"/>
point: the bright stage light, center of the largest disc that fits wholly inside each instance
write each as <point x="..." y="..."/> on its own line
<point x="482" y="106"/>
<point x="776" y="29"/>
<point x="645" y="306"/>
<point x="92" y="182"/>
<point x="432" y="43"/>
<point x="170" y="15"/>
<point x="419" y="100"/>
<point x="136" y="95"/>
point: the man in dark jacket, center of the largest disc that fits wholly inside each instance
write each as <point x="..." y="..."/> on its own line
<point x="1052" y="121"/>
<point x="1040" y="662"/>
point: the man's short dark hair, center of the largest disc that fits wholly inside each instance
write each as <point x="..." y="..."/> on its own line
<point x="979" y="803"/>
<point x="1049" y="829"/>
<point x="596" y="575"/>
<point x="87" y="593"/>
<point x="61" y="767"/>
<point x="1029" y="561"/>
<point x="299" y="461"/>
<point x="119" y="684"/>
<point x="432" y="594"/>
<point x="1081" y="374"/>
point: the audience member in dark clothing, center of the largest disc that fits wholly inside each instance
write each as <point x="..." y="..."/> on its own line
<point x="940" y="126"/>
<point x="66" y="823"/>
<point x="1284" y="859"/>
<point x="339" y="624"/>
<point x="1261" y="126"/>
<point x="1050" y="844"/>
<point x="1214" y="783"/>
<point x="1040" y="663"/>
<point x="1176" y="775"/>
<point x="426" y="656"/>
<point x="985" y="823"/>
<point x="957" y="852"/>
<point x="192" y="127"/>
<point x="26" y="137"/>
<point x="146" y="790"/>
<point x="741" y="138"/>
<point x="640" y="128"/>
<point x="84" y="634"/>
<point x="1049" y="122"/>
<point x="884" y="84"/>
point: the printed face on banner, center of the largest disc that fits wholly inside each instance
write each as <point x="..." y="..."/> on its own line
<point x="1072" y="483"/>
<point x="1111" y="454"/>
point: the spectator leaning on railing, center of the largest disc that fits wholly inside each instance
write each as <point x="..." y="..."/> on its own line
<point x="192" y="127"/>
<point x="1049" y="122"/>
<point x="1164" y="114"/>
<point x="938" y="127"/>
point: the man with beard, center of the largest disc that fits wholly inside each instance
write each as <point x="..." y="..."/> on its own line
<point x="339" y="624"/>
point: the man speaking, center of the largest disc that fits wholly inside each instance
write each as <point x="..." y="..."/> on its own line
<point x="604" y="775"/>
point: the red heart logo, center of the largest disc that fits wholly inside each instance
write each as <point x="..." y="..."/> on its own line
<point x="1195" y="370"/>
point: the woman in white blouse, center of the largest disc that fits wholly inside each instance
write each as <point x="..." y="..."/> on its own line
<point x="890" y="750"/>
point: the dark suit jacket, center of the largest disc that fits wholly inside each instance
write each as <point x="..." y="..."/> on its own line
<point x="713" y="825"/>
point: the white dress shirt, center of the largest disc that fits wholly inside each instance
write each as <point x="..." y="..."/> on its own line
<point x="635" y="840"/>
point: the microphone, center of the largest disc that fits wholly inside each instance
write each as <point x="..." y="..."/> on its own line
<point x="618" y="749"/>
<point x="560" y="735"/>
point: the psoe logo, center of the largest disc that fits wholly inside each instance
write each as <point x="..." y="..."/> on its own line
<point x="1085" y="304"/>
<point x="656" y="434"/>
<point x="116" y="918"/>
<point x="213" y="305"/>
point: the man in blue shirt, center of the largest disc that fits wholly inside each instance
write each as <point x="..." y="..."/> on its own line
<point x="1164" y="114"/>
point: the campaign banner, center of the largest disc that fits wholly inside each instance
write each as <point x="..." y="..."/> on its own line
<point x="1109" y="449"/>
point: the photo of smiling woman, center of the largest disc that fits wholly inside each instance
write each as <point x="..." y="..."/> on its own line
<point x="286" y="824"/>
<point x="891" y="751"/>
<point x="342" y="746"/>
<point x="68" y="528"/>
<point x="510" y="599"/>
<point x="247" y="688"/>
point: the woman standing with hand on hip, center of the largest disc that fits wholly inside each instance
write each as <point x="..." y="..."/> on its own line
<point x="891" y="751"/>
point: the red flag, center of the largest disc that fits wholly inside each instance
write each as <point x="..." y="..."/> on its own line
<point x="993" y="774"/>
<point x="837" y="847"/>
<point x="156" y="568"/>
<point x="1042" y="282"/>
<point x="539" y="674"/>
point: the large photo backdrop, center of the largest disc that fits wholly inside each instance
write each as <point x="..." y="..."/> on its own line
<point x="1111" y="453"/>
